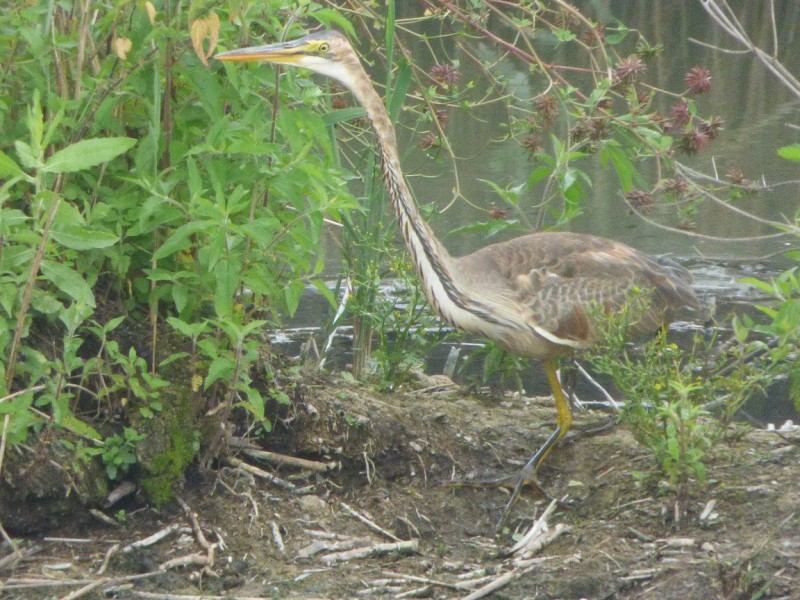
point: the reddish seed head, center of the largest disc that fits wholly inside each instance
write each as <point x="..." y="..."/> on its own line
<point x="737" y="176"/>
<point x="532" y="142"/>
<point x="712" y="127"/>
<point x="680" y="113"/>
<point x="598" y="32"/>
<point x="628" y="70"/>
<point x="678" y="186"/>
<point x="693" y="141"/>
<point x="547" y="107"/>
<point x="698" y="80"/>
<point x="428" y="140"/>
<point x="639" y="199"/>
<point x="445" y="75"/>
<point x="498" y="214"/>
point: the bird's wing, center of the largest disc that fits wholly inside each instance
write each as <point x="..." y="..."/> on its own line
<point x="566" y="281"/>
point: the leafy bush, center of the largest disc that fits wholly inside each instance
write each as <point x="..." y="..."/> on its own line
<point x="144" y="191"/>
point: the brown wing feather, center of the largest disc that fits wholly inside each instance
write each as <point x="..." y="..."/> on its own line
<point x="563" y="277"/>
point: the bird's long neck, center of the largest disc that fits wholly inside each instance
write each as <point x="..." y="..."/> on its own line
<point x="433" y="263"/>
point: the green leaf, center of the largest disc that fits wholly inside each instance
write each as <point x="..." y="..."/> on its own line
<point x="74" y="424"/>
<point x="177" y="240"/>
<point x="78" y="238"/>
<point x="790" y="152"/>
<point x="292" y="294"/>
<point x="69" y="281"/>
<point x="10" y="169"/>
<point x="564" y="35"/>
<point x="226" y="273"/>
<point x="25" y="153"/>
<point x="538" y="174"/>
<point x="401" y="85"/>
<point x="87" y="153"/>
<point x="341" y="115"/>
<point x="220" y="368"/>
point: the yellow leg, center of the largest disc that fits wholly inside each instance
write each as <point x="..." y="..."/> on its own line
<point x="563" y="424"/>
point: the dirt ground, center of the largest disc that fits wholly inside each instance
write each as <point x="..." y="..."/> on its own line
<point x="387" y="498"/>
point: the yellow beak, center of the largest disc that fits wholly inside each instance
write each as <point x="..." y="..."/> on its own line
<point x="285" y="53"/>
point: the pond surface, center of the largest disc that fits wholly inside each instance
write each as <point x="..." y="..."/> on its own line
<point x="759" y="115"/>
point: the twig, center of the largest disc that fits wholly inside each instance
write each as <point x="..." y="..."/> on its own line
<point x="406" y="547"/>
<point x="292" y="461"/>
<point x="184" y="561"/>
<point x="372" y="525"/>
<point x="152" y="539"/>
<point x="538" y="528"/>
<point x="198" y="531"/>
<point x="166" y="596"/>
<point x="277" y="537"/>
<point x="13" y="558"/>
<point x="337" y="546"/>
<point x="276" y="481"/>
<point x="92" y="585"/>
<point x="492" y="586"/>
<point x="109" y="553"/>
<point x="346" y="293"/>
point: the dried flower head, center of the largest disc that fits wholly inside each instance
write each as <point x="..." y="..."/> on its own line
<point x="597" y="33"/>
<point x="597" y="129"/>
<point x="712" y="127"/>
<point x="639" y="199"/>
<point x="698" y="80"/>
<point x="547" y="107"/>
<point x="445" y="75"/>
<point x="605" y="103"/>
<point x="498" y="214"/>
<point x="428" y="140"/>
<point x="677" y="186"/>
<point x="737" y="177"/>
<point x="681" y="114"/>
<point x="693" y="141"/>
<point x="532" y="142"/>
<point x="628" y="70"/>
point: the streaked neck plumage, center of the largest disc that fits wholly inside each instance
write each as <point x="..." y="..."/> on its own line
<point x="432" y="261"/>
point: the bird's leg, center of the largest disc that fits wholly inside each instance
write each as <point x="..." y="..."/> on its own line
<point x="563" y="423"/>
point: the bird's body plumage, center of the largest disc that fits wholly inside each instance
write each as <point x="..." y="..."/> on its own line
<point x="541" y="295"/>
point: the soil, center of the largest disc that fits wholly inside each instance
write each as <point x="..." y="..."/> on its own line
<point x="612" y="535"/>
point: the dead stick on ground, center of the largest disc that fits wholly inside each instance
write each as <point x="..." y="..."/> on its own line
<point x="165" y="596"/>
<point x="92" y="585"/>
<point x="332" y="546"/>
<point x="277" y="537"/>
<point x="198" y="531"/>
<point x="276" y="481"/>
<point x="152" y="539"/>
<point x="292" y="461"/>
<point x="539" y="527"/>
<point x="109" y="553"/>
<point x="372" y="525"/>
<point x="184" y="561"/>
<point x="375" y="550"/>
<point x="493" y="586"/>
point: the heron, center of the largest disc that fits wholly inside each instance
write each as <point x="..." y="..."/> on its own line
<point x="534" y="295"/>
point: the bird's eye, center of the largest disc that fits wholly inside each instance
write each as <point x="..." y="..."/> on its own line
<point x="324" y="47"/>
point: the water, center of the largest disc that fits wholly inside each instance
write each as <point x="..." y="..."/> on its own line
<point x="757" y="110"/>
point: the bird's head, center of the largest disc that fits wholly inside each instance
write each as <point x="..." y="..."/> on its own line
<point x="325" y="52"/>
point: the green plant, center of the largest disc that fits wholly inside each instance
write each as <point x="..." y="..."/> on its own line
<point x="142" y="190"/>
<point x="678" y="401"/>
<point x="405" y="325"/>
<point x="118" y="452"/>
<point x="500" y="369"/>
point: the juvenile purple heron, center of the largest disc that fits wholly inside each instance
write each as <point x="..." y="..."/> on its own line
<point x="534" y="295"/>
